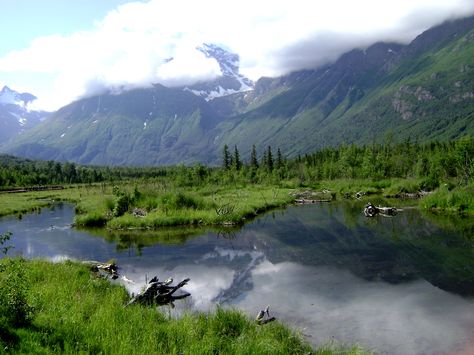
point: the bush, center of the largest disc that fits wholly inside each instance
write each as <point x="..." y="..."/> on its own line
<point x="181" y="200"/>
<point x="109" y="203"/>
<point x="430" y="183"/>
<point x="94" y="219"/>
<point x="150" y="203"/>
<point x="4" y="238"/>
<point x="15" y="310"/>
<point x="122" y="205"/>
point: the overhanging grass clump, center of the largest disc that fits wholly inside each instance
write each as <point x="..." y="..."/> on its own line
<point x="451" y="199"/>
<point x="71" y="311"/>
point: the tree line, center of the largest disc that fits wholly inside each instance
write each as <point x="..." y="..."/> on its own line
<point x="433" y="162"/>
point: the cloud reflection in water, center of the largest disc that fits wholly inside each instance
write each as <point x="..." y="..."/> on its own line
<point x="326" y="303"/>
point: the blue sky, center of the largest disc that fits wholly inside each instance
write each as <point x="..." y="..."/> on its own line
<point x="63" y="50"/>
<point x="24" y="20"/>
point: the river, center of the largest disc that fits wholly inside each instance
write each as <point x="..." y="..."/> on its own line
<point x="400" y="285"/>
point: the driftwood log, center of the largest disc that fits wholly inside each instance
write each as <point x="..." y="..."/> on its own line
<point x="103" y="269"/>
<point x="263" y="317"/>
<point x="155" y="293"/>
<point x="309" y="197"/>
<point x="371" y="211"/>
<point x="160" y="293"/>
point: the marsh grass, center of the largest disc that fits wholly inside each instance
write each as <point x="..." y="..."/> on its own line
<point x="185" y="206"/>
<point x="167" y="204"/>
<point x="451" y="199"/>
<point x="74" y="312"/>
<point x="15" y="203"/>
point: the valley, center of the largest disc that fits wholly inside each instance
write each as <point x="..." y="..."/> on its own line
<point x="254" y="192"/>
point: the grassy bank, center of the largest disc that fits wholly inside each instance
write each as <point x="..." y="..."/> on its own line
<point x="159" y="203"/>
<point x="155" y="205"/>
<point x="453" y="199"/>
<point x="17" y="203"/>
<point x="63" y="308"/>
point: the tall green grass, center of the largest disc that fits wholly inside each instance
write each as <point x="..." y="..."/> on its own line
<point x="75" y="312"/>
<point x="451" y="199"/>
<point x="175" y="206"/>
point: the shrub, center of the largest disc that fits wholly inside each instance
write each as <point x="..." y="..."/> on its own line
<point x="122" y="205"/>
<point x="15" y="310"/>
<point x="4" y="238"/>
<point x="109" y="203"/>
<point x="150" y="203"/>
<point x="181" y="200"/>
<point x="94" y="219"/>
<point x="430" y="183"/>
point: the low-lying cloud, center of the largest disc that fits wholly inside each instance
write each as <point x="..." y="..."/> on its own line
<point x="132" y="46"/>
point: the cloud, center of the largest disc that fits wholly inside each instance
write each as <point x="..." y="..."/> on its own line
<point x="132" y="45"/>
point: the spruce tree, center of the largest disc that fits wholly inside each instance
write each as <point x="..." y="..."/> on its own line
<point x="237" y="163"/>
<point x="269" y="159"/>
<point x="226" y="158"/>
<point x="279" y="161"/>
<point x="253" y="158"/>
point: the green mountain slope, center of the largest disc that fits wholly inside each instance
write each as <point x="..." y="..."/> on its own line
<point x="424" y="90"/>
<point x="139" y="127"/>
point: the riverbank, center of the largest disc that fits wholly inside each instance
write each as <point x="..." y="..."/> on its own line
<point x="161" y="203"/>
<point x="64" y="308"/>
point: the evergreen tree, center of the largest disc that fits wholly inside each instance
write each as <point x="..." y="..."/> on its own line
<point x="226" y="159"/>
<point x="279" y="161"/>
<point x="237" y="163"/>
<point x="253" y="158"/>
<point x="269" y="159"/>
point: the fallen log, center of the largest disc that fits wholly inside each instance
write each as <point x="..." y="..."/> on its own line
<point x="160" y="293"/>
<point x="103" y="269"/>
<point x="263" y="316"/>
<point x="303" y="201"/>
<point x="371" y="211"/>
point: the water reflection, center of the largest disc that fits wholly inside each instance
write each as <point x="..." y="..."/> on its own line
<point x="327" y="303"/>
<point x="398" y="285"/>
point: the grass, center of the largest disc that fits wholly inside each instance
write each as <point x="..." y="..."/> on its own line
<point x="72" y="311"/>
<point x="166" y="205"/>
<point x="172" y="206"/>
<point x="15" y="203"/>
<point x="458" y="199"/>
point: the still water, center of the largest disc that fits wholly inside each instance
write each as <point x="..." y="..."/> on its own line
<point x="401" y="285"/>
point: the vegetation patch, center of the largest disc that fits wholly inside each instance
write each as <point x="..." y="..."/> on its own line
<point x="63" y="308"/>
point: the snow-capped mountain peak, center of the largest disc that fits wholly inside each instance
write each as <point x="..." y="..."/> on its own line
<point x="15" y="117"/>
<point x="11" y="97"/>
<point x="231" y="80"/>
<point x="228" y="62"/>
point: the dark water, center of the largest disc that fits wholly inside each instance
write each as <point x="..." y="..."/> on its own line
<point x="401" y="285"/>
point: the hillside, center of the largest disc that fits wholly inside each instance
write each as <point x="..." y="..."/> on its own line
<point x="424" y="91"/>
<point x="15" y="117"/>
<point x="139" y="127"/>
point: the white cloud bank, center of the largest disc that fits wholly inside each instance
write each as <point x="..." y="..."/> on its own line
<point x="132" y="45"/>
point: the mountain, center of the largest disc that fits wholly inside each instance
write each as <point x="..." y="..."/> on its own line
<point x="423" y="91"/>
<point x="15" y="117"/>
<point x="138" y="127"/>
<point x="231" y="80"/>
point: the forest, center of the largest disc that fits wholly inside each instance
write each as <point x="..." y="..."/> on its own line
<point x="433" y="163"/>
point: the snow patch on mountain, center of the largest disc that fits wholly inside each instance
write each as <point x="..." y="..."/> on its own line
<point x="230" y="82"/>
<point x="11" y="97"/>
<point x="15" y="115"/>
<point x="21" y="120"/>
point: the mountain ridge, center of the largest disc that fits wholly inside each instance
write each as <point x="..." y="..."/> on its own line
<point x="15" y="115"/>
<point x="423" y="90"/>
